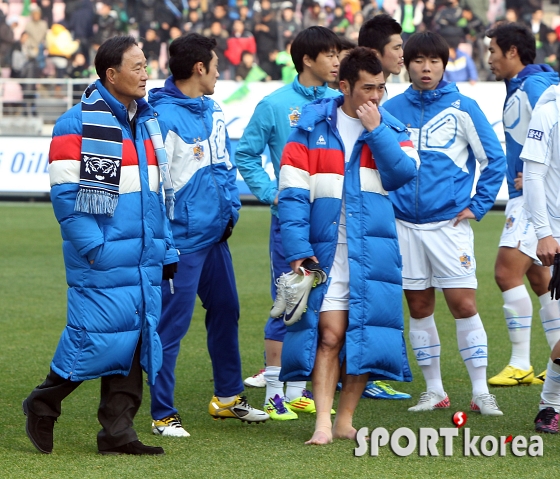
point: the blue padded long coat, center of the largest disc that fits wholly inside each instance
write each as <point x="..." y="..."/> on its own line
<point x="314" y="179"/>
<point x="116" y="301"/>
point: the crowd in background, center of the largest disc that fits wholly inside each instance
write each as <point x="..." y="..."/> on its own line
<point x="58" y="39"/>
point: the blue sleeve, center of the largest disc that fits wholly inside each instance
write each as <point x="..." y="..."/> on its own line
<point x="394" y="165"/>
<point x="294" y="207"/>
<point x="81" y="229"/>
<point x="492" y="161"/>
<point x="232" y="183"/>
<point x="249" y="150"/>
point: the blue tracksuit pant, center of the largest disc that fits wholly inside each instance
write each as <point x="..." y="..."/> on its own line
<point x="208" y="273"/>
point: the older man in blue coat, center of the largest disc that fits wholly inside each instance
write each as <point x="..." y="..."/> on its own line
<point x="105" y="162"/>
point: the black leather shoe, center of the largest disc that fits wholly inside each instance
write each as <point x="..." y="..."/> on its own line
<point x="136" y="448"/>
<point x="39" y="430"/>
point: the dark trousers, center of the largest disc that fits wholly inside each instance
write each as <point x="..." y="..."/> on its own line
<point x="121" y="397"/>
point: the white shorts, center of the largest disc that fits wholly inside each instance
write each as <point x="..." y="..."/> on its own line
<point x="437" y="255"/>
<point x="518" y="231"/>
<point x="338" y="290"/>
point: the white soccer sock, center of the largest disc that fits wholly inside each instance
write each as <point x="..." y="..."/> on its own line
<point x="550" y="318"/>
<point x="273" y="384"/>
<point x="518" y="310"/>
<point x="294" y="389"/>
<point x="550" y="395"/>
<point x="424" y="339"/>
<point x="226" y="399"/>
<point x="473" y="346"/>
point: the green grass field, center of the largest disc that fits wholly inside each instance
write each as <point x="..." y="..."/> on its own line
<point x="32" y="316"/>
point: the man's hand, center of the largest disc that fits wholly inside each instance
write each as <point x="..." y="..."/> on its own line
<point x="554" y="285"/>
<point x="547" y="248"/>
<point x="169" y="271"/>
<point x="466" y="214"/>
<point x="295" y="265"/>
<point x="518" y="182"/>
<point x="228" y="231"/>
<point x="369" y="115"/>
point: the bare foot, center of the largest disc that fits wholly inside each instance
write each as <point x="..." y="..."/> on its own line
<point x="345" y="434"/>
<point x="320" y="438"/>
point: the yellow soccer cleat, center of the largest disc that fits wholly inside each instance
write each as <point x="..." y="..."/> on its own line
<point x="511" y="376"/>
<point x="539" y="380"/>
<point x="304" y="403"/>
<point x="239" y="408"/>
<point x="277" y="409"/>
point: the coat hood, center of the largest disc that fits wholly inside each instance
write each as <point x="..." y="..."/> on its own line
<point x="545" y="72"/>
<point x="171" y="94"/>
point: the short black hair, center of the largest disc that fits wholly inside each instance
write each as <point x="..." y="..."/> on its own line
<point x="110" y="54"/>
<point x="311" y="42"/>
<point x="359" y="59"/>
<point x="517" y="35"/>
<point x="346" y="44"/>
<point x="428" y="44"/>
<point x="187" y="50"/>
<point x="377" y="31"/>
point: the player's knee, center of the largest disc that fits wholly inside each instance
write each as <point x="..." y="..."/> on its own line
<point x="420" y="309"/>
<point x="465" y="309"/>
<point x="331" y="339"/>
<point x="503" y="277"/>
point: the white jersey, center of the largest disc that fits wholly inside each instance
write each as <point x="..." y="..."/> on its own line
<point x="542" y="147"/>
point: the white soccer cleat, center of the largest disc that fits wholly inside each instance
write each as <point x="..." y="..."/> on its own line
<point x="431" y="400"/>
<point x="256" y="381"/>
<point x="296" y="294"/>
<point x="486" y="405"/>
<point x="283" y="282"/>
<point x="169" y="426"/>
<point x="239" y="408"/>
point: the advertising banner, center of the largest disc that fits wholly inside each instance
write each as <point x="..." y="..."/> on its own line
<point x="24" y="160"/>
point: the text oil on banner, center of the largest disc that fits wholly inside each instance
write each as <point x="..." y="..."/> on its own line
<point x="24" y="163"/>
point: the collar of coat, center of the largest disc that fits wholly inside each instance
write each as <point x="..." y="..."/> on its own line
<point x="325" y="109"/>
<point x="144" y="111"/>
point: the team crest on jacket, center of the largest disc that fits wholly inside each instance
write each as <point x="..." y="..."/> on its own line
<point x="198" y="150"/>
<point x="509" y="222"/>
<point x="465" y="260"/>
<point x="101" y="167"/>
<point x="294" y="116"/>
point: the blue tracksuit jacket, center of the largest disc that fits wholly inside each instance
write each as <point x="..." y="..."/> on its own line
<point x="451" y="134"/>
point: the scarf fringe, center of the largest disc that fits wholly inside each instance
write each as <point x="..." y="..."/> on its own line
<point x="96" y="202"/>
<point x="170" y="207"/>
